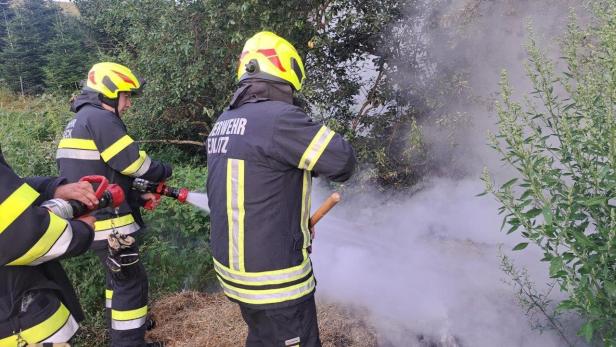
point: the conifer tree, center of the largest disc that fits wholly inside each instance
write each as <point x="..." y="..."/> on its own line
<point x="24" y="58"/>
<point x="68" y="57"/>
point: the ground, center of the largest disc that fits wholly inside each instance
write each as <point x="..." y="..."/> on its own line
<point x="210" y="320"/>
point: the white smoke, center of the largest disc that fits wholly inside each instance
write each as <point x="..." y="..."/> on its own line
<point x="426" y="266"/>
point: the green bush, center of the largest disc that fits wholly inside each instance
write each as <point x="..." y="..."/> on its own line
<point x="562" y="143"/>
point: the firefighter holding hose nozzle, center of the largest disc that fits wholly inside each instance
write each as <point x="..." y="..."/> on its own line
<point x="262" y="154"/>
<point x="37" y="301"/>
<point x="95" y="142"/>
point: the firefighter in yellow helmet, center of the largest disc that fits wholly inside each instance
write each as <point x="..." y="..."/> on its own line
<point x="262" y="154"/>
<point x="96" y="142"/>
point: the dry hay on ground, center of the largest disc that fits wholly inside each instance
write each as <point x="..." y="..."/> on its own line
<point x="194" y="319"/>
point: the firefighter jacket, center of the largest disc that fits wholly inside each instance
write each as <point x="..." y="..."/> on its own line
<point x="262" y="154"/>
<point x="95" y="142"/>
<point x="32" y="239"/>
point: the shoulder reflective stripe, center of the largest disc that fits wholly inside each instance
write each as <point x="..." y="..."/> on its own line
<point x="130" y="314"/>
<point x="102" y="235"/>
<point x="127" y="324"/>
<point x="41" y="331"/>
<point x="235" y="212"/>
<point x="316" y="148"/>
<point x="305" y="217"/>
<point x="270" y="296"/>
<point x="139" y="167"/>
<point x="116" y="148"/>
<point x="65" y="333"/>
<point x="13" y="206"/>
<point x="117" y="222"/>
<point x="291" y="275"/>
<point x="52" y="244"/>
<point x="81" y="154"/>
<point x="78" y="144"/>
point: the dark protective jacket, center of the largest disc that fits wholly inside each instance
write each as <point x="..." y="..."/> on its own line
<point x="262" y="154"/>
<point x="95" y="142"/>
<point x="32" y="239"/>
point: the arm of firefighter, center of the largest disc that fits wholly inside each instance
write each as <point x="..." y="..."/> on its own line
<point x="314" y="147"/>
<point x="45" y="186"/>
<point x="32" y="235"/>
<point x="122" y="153"/>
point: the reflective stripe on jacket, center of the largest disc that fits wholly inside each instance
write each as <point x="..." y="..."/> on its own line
<point x="261" y="159"/>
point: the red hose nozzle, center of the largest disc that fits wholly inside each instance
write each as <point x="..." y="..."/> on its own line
<point x="182" y="195"/>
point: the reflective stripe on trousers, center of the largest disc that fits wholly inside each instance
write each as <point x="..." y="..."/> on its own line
<point x="128" y="320"/>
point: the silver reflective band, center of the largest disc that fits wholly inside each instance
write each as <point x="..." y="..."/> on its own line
<point x="127" y="324"/>
<point x="65" y="333"/>
<point x="305" y="221"/>
<point x="59" y="248"/>
<point x="277" y="297"/>
<point x="108" y="303"/>
<point x="316" y="148"/>
<point x="82" y="154"/>
<point x="144" y="167"/>
<point x="235" y="213"/>
<point x="271" y="279"/>
<point x="125" y="230"/>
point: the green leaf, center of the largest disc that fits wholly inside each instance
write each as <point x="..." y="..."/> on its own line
<point x="547" y="215"/>
<point x="587" y="331"/>
<point x="556" y="264"/>
<point x="520" y="246"/>
<point x="509" y="183"/>
<point x="532" y="213"/>
<point x="610" y="288"/>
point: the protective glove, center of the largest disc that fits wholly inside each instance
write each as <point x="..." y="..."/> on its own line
<point x="122" y="252"/>
<point x="152" y="201"/>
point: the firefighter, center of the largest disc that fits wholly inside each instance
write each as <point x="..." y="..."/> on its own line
<point x="37" y="302"/>
<point x="262" y="154"/>
<point x="95" y="142"/>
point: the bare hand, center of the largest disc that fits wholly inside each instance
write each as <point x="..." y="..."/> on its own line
<point x="89" y="220"/>
<point x="313" y="232"/>
<point x="153" y="200"/>
<point x="80" y="191"/>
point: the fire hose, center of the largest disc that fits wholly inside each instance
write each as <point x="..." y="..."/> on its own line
<point x="159" y="188"/>
<point x="108" y="195"/>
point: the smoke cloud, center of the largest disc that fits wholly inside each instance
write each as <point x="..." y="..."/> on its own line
<point x="426" y="266"/>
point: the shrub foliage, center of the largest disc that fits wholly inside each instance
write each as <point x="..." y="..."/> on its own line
<point x="562" y="143"/>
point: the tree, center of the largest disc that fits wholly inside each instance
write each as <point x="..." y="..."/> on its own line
<point x="6" y="14"/>
<point x="24" y="58"/>
<point x="562" y="143"/>
<point x="68" y="57"/>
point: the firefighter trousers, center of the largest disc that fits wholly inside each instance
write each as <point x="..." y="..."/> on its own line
<point x="293" y="326"/>
<point x="126" y="302"/>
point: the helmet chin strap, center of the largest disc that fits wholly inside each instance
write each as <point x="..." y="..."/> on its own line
<point x="115" y="103"/>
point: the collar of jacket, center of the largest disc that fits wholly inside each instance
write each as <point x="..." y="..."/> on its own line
<point x="86" y="97"/>
<point x="256" y="90"/>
